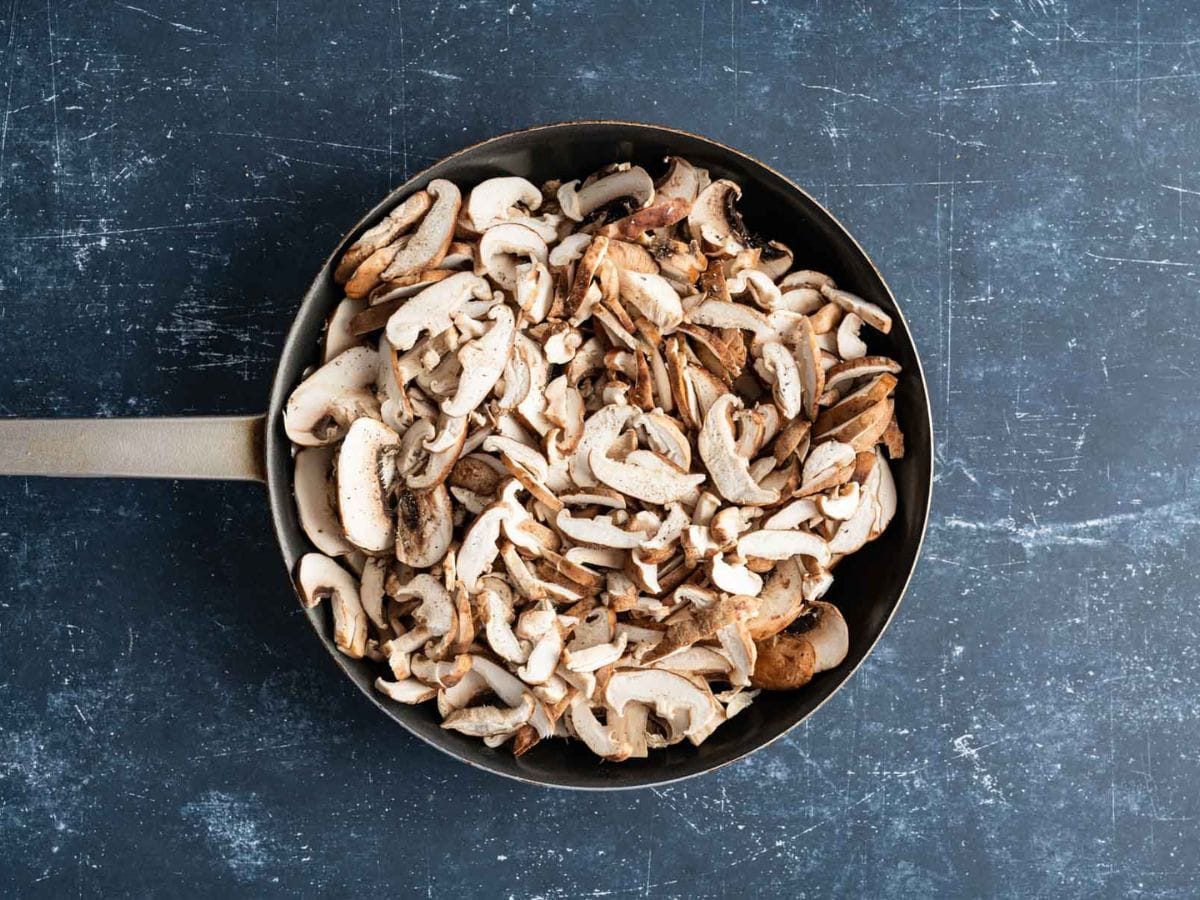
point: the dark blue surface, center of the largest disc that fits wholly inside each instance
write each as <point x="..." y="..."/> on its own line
<point x="1025" y="175"/>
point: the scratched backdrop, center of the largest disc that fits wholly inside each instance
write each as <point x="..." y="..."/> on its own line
<point x="1025" y="174"/>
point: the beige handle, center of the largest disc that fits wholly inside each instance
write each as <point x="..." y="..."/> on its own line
<point x="222" y="447"/>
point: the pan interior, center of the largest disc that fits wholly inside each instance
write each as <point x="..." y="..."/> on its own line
<point x="868" y="585"/>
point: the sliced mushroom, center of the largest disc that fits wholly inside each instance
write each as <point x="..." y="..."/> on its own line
<point x="496" y="199"/>
<point x="424" y="526"/>
<point x="315" y="501"/>
<point x="852" y="303"/>
<point x="488" y="721"/>
<point x="432" y="238"/>
<point x="379" y="236"/>
<point x="789" y="660"/>
<point x="483" y="361"/>
<point x="662" y="486"/>
<point x="765" y="544"/>
<point x="668" y="693"/>
<point x="653" y="297"/>
<point x="409" y="691"/>
<point x="784" y="377"/>
<point x="715" y="221"/>
<point x="781" y="601"/>
<point x="366" y="474"/>
<point x="434" y="308"/>
<point x="321" y="409"/>
<point x="318" y="577"/>
<point x="729" y="470"/>
<point x="633" y="183"/>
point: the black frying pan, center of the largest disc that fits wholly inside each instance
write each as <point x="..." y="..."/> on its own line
<point x="868" y="586"/>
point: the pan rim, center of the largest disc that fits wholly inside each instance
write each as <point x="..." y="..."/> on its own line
<point x="278" y="476"/>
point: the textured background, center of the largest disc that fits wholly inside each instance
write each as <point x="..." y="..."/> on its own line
<point x="1025" y="174"/>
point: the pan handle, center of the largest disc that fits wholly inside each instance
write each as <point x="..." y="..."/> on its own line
<point x="221" y="447"/>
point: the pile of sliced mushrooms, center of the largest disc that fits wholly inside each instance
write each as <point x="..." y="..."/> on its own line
<point x="581" y="458"/>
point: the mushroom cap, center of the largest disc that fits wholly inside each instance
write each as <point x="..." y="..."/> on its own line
<point x="632" y="182"/>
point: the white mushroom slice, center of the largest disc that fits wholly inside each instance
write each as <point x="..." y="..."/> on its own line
<point x="495" y="199"/>
<point x="758" y="285"/>
<point x="683" y="181"/>
<point x="734" y="579"/>
<point x="603" y="740"/>
<point x="318" y="577"/>
<point x="653" y="297"/>
<point x="668" y="533"/>
<point x="428" y="244"/>
<point x="796" y="513"/>
<point x="339" y="337"/>
<point x="500" y="248"/>
<point x="440" y="673"/>
<point x="644" y="572"/>
<point x="366" y="472"/>
<point x="480" y="545"/>
<point x="885" y="496"/>
<point x="322" y="407"/>
<point x="766" y="544"/>
<point x="594" y="629"/>
<point x="483" y="361"/>
<point x="436" y="610"/>
<point x="852" y="303"/>
<point x="695" y="660"/>
<point x="840" y="503"/>
<point x="398" y="659"/>
<point x="595" y="657"/>
<point x="595" y="496"/>
<point x="490" y="721"/>
<point x="569" y="250"/>
<point x="781" y="601"/>
<point x="856" y="531"/>
<point x="722" y="314"/>
<point x="543" y="658"/>
<point x="597" y="557"/>
<point x="599" y="531"/>
<point x="849" y="344"/>
<point x="433" y="309"/>
<point x="784" y="378"/>
<point x="714" y="220"/>
<point x="735" y="640"/>
<point x="650" y="486"/>
<point x="599" y="431"/>
<point x="470" y="688"/>
<point x="664" y="436"/>
<point x="315" y="498"/>
<point x="632" y="182"/>
<point x="536" y="620"/>
<point x="532" y="408"/>
<point x="804" y="301"/>
<point x="371" y="590"/>
<point x="442" y="450"/>
<point x="409" y="691"/>
<point x="546" y="226"/>
<point x="729" y="470"/>
<point x="424" y="526"/>
<point x="825" y="456"/>
<point x="669" y="693"/>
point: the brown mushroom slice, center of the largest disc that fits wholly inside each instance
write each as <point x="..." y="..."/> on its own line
<point x="483" y="361"/>
<point x="372" y="591"/>
<point x="430" y="241"/>
<point x="773" y="544"/>
<point x="637" y="481"/>
<point x="698" y="624"/>
<point x="805" y="278"/>
<point x="579" y="203"/>
<point x="440" y="673"/>
<point x="490" y="721"/>
<point x="729" y="470"/>
<point x="322" y="407"/>
<point x="852" y="303"/>
<point x="812" y="375"/>
<point x="585" y="270"/>
<point x="495" y="199"/>
<point x="720" y="314"/>
<point x="631" y="257"/>
<point x="668" y="693"/>
<point x="871" y="393"/>
<point x="318" y="576"/>
<point x="788" y="660"/>
<point x="409" y="691"/>
<point x="714" y="219"/>
<point x="379" y="236"/>
<point x="761" y="289"/>
<point x="424" y="526"/>
<point x="315" y="501"/>
<point x="841" y="374"/>
<point x="366" y="472"/>
<point x="433" y="309"/>
<point x="827" y="455"/>
<point x="663" y="213"/>
<point x="435" y="614"/>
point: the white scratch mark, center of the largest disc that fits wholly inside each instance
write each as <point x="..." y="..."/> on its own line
<point x="179" y="25"/>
